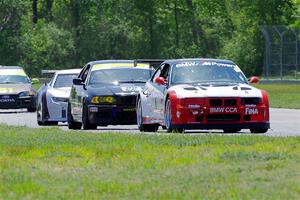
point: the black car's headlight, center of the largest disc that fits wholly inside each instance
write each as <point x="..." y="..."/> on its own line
<point x="60" y="99"/>
<point x="27" y="94"/>
<point x="103" y="100"/>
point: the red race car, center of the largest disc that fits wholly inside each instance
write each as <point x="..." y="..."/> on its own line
<point x="202" y="94"/>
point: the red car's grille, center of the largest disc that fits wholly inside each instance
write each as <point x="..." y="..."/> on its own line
<point x="215" y="102"/>
<point x="222" y="102"/>
<point x="250" y="101"/>
<point x="222" y="117"/>
<point x="230" y="102"/>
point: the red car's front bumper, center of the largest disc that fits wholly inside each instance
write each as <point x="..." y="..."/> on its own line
<point x="220" y="113"/>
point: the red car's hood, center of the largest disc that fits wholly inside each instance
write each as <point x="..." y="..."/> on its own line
<point x="239" y="90"/>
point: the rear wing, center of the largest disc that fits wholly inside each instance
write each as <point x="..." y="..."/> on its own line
<point x="47" y="75"/>
<point x="154" y="63"/>
<point x="48" y="72"/>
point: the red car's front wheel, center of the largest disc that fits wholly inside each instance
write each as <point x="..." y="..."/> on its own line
<point x="168" y="119"/>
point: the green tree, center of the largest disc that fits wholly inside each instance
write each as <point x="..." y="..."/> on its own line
<point x="70" y="33"/>
<point x="296" y="14"/>
<point x="46" y="47"/>
<point x="11" y="12"/>
<point x="246" y="44"/>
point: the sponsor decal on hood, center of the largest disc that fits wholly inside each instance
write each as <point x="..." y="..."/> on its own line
<point x="131" y="88"/>
<point x="109" y="89"/>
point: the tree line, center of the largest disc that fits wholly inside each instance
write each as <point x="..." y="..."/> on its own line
<point x="59" y="34"/>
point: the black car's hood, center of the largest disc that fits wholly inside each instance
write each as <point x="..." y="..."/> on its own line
<point x="110" y="89"/>
<point x="14" y="88"/>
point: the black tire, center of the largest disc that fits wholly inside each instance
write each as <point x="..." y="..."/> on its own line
<point x="168" y="119"/>
<point x="231" y="130"/>
<point x="85" y="120"/>
<point x="40" y="123"/>
<point x="50" y="123"/>
<point x="139" y="116"/>
<point x="150" y="128"/>
<point x="71" y="123"/>
<point x="40" y="120"/>
<point x="259" y="130"/>
<point x="31" y="109"/>
<point x="43" y="122"/>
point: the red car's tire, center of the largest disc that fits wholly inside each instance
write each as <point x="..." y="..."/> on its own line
<point x="259" y="130"/>
<point x="168" y="119"/>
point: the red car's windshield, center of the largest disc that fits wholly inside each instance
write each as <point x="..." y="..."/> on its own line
<point x="196" y="72"/>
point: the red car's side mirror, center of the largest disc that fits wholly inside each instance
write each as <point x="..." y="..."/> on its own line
<point x="160" y="81"/>
<point x="254" y="79"/>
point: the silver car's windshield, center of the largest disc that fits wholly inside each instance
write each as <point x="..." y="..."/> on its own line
<point x="124" y="75"/>
<point x="13" y="79"/>
<point x="206" y="72"/>
<point x="64" y="80"/>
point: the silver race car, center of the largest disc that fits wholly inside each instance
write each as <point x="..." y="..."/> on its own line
<point x="16" y="90"/>
<point x="52" y="98"/>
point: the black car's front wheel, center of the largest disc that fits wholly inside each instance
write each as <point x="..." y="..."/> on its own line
<point x="31" y="109"/>
<point x="87" y="125"/>
<point x="139" y="115"/>
<point x="71" y="123"/>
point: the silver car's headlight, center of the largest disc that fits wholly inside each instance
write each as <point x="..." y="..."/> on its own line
<point x="26" y="94"/>
<point x="60" y="99"/>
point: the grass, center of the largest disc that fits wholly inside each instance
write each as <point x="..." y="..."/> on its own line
<point x="282" y="95"/>
<point x="52" y="164"/>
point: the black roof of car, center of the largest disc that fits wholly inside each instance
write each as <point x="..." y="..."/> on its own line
<point x="110" y="61"/>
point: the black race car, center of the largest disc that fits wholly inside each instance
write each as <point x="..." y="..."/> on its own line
<point x="16" y="90"/>
<point x="105" y="93"/>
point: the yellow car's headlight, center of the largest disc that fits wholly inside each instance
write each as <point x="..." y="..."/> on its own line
<point x="103" y="100"/>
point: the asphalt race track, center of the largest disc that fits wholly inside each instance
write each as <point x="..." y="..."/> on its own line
<point x="284" y="122"/>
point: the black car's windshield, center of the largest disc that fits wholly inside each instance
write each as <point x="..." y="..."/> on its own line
<point x="206" y="72"/>
<point x="124" y="75"/>
<point x="14" y="79"/>
<point x="64" y="80"/>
